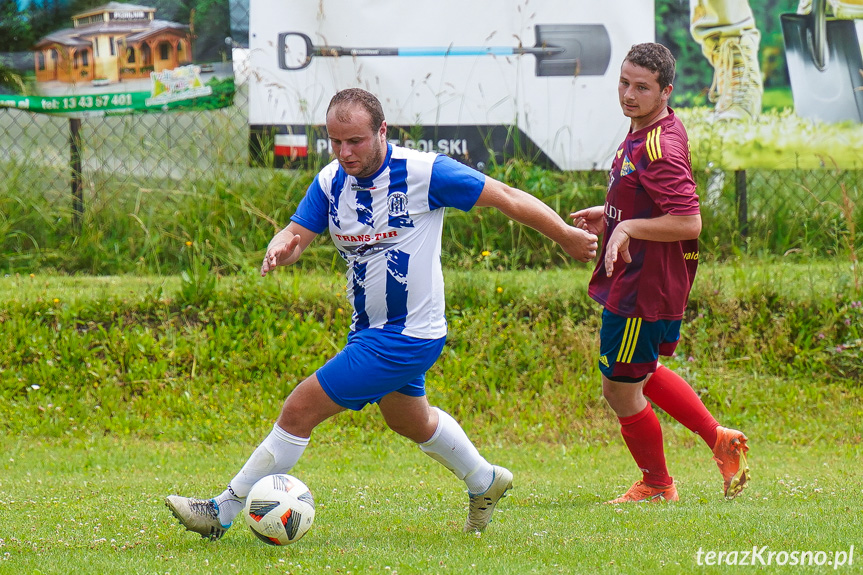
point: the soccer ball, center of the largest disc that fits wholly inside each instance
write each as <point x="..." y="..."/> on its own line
<point x="279" y="509"/>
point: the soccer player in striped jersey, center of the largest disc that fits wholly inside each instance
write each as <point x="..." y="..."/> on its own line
<point x="650" y="225"/>
<point x="383" y="206"/>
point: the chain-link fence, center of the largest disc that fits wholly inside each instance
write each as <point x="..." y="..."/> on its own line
<point x="117" y="149"/>
<point x="80" y="166"/>
<point x="781" y="211"/>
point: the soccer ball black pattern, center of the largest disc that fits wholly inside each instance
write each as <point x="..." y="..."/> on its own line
<point x="280" y="509"/>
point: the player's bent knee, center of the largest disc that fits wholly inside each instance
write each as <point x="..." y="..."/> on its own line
<point x="418" y="432"/>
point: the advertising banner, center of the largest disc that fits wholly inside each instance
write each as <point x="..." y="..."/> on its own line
<point x="115" y="58"/>
<point x="468" y="79"/>
<point x="774" y="84"/>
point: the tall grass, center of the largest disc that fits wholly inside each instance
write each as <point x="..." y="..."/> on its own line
<point x="142" y="224"/>
<point x="152" y="356"/>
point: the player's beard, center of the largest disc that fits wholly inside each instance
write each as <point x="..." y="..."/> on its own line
<point x="375" y="160"/>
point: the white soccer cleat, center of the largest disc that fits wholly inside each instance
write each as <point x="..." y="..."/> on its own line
<point x="737" y="86"/>
<point x="482" y="505"/>
<point x="199" y="516"/>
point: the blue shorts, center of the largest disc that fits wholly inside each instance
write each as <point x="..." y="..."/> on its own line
<point x="630" y="347"/>
<point x="376" y="362"/>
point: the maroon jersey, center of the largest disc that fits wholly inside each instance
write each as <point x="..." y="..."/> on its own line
<point x="651" y="175"/>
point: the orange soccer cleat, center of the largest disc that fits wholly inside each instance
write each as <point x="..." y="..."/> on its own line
<point x="729" y="452"/>
<point x="642" y="492"/>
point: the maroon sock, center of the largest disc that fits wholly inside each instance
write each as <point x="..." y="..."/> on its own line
<point x="643" y="437"/>
<point x="674" y="396"/>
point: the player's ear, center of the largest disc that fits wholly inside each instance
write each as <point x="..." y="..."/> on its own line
<point x="666" y="93"/>
<point x="382" y="131"/>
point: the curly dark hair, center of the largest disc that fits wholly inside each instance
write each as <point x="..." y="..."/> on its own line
<point x="360" y="97"/>
<point x="654" y="57"/>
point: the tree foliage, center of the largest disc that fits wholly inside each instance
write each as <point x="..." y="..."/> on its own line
<point x="210" y="20"/>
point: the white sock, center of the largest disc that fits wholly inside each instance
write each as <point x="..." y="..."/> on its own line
<point x="450" y="446"/>
<point x="278" y="453"/>
<point x="229" y="506"/>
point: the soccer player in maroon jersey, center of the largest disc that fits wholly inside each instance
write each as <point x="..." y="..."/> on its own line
<point x="650" y="225"/>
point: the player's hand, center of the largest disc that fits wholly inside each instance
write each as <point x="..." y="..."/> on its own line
<point x="279" y="254"/>
<point x="591" y="220"/>
<point x="618" y="245"/>
<point x="581" y="245"/>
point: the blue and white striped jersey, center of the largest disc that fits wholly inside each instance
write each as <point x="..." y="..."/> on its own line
<point x="388" y="229"/>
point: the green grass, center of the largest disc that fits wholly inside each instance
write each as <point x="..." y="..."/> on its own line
<point x="96" y="506"/>
<point x="117" y="391"/>
<point x="135" y="356"/>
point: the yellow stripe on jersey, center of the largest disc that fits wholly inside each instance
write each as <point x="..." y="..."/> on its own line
<point x="654" y="149"/>
<point x="630" y="339"/>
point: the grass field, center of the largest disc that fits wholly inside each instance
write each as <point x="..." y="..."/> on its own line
<point x="118" y="391"/>
<point x="95" y="506"/>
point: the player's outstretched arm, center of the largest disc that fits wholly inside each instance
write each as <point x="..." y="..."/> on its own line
<point x="531" y="211"/>
<point x="286" y="247"/>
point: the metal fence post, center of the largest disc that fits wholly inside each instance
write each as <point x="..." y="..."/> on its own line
<point x="77" y="179"/>
<point x="742" y="206"/>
